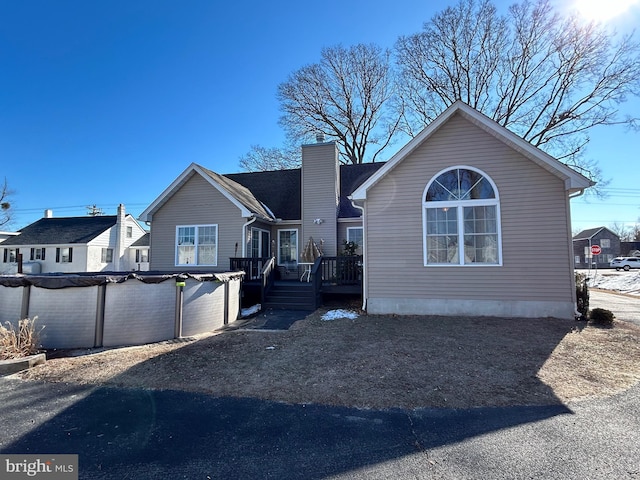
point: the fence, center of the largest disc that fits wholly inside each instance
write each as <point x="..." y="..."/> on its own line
<point x="83" y="311"/>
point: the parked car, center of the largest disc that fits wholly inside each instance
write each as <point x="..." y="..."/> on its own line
<point x="625" y="263"/>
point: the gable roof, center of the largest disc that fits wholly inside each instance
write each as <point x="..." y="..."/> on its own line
<point x="574" y="181"/>
<point x="62" y="231"/>
<point x="591" y="232"/>
<point x="272" y="194"/>
<point x="237" y="194"/>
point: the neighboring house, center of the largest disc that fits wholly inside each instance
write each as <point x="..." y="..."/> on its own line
<point x="76" y="244"/>
<point x="451" y="225"/>
<point x="5" y="235"/>
<point x="608" y="242"/>
<point x="629" y="249"/>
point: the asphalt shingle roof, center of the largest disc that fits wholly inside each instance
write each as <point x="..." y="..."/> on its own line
<point x="63" y="230"/>
<point x="240" y="192"/>
<point x="280" y="190"/>
<point x="351" y="177"/>
<point x="143" y="241"/>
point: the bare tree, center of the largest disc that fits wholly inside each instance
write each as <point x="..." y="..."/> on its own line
<point x="622" y="231"/>
<point x="5" y="205"/>
<point x="260" y="158"/>
<point x="548" y="78"/>
<point x="344" y="97"/>
<point x="635" y="232"/>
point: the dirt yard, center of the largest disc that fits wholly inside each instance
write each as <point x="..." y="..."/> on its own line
<point x="379" y="362"/>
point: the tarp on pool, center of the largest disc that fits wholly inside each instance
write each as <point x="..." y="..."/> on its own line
<point x="65" y="280"/>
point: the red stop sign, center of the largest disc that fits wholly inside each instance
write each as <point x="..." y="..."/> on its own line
<point x="595" y="250"/>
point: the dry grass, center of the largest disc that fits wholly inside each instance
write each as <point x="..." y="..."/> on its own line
<point x="19" y="341"/>
<point x="380" y="362"/>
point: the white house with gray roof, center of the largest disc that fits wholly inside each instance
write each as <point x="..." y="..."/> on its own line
<point x="77" y="244"/>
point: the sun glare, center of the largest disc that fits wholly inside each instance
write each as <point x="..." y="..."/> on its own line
<point x="600" y="11"/>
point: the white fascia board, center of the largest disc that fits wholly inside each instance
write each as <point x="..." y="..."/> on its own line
<point x="147" y="214"/>
<point x="574" y="181"/>
<point x="360" y="193"/>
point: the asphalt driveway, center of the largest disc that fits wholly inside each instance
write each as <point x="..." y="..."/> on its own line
<point x="145" y="434"/>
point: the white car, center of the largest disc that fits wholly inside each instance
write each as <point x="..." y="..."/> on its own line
<point x="625" y="263"/>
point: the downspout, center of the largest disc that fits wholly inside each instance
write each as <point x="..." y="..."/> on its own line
<point x="364" y="255"/>
<point x="244" y="235"/>
<point x="576" y="313"/>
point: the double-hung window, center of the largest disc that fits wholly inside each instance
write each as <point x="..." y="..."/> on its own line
<point x="107" y="255"/>
<point x="197" y="245"/>
<point x="64" y="255"/>
<point x="37" y="254"/>
<point x="355" y="235"/>
<point x="461" y="219"/>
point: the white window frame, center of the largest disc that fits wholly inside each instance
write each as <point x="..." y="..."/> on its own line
<point x="142" y="255"/>
<point x="65" y="255"/>
<point x="257" y="233"/>
<point x="460" y="205"/>
<point x="605" y="242"/>
<point x="105" y="254"/>
<point x="360" y="244"/>
<point x="297" y="245"/>
<point x="196" y="246"/>
<point x="129" y="232"/>
<point x="12" y="255"/>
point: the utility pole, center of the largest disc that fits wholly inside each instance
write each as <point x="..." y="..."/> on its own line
<point x="94" y="211"/>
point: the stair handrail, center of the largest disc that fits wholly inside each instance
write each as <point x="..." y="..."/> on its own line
<point x="268" y="276"/>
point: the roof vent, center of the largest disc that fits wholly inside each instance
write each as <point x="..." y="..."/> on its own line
<point x="48" y="213"/>
<point x="320" y="137"/>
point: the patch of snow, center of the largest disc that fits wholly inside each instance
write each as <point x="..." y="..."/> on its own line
<point x="623" y="282"/>
<point x="336" y="314"/>
<point x="245" y="312"/>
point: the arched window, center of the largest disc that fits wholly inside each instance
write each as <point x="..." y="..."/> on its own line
<point x="461" y="219"/>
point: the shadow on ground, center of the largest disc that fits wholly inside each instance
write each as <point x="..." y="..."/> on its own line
<point x="288" y="404"/>
<point x="144" y="434"/>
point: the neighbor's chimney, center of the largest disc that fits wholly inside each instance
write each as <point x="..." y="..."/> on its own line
<point x="319" y="137"/>
<point x="121" y="240"/>
<point x="48" y="213"/>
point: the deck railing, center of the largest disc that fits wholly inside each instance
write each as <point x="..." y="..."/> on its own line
<point x="337" y="271"/>
<point x="342" y="270"/>
<point x="252" y="266"/>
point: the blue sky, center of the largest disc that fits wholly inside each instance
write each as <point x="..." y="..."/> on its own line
<point x="107" y="102"/>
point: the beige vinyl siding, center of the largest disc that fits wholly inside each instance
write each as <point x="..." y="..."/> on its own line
<point x="320" y="180"/>
<point x="197" y="202"/>
<point x="535" y="258"/>
<point x="342" y="232"/>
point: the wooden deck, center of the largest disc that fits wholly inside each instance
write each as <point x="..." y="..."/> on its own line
<point x="336" y="276"/>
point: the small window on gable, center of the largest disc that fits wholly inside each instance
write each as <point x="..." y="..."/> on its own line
<point x="461" y="219"/>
